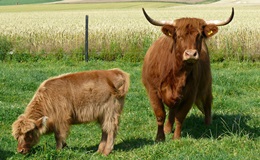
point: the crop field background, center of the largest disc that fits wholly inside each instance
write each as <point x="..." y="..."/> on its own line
<point x="119" y="30"/>
<point x="44" y="40"/>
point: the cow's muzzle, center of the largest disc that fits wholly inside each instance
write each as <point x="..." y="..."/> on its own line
<point x="190" y="55"/>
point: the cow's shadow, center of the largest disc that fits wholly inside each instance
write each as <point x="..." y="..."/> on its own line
<point x="221" y="125"/>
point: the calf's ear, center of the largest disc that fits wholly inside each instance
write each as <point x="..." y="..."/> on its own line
<point x="41" y="124"/>
<point x="210" y="30"/>
<point x="168" y="30"/>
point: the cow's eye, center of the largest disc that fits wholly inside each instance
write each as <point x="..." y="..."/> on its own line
<point x="180" y="38"/>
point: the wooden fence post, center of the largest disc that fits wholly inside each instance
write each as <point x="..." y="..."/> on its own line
<point x="86" y="40"/>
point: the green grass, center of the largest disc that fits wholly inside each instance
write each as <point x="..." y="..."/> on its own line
<point x="20" y="2"/>
<point x="234" y="133"/>
<point x="48" y="48"/>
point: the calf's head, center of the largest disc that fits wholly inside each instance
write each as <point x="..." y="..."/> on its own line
<point x="27" y="132"/>
<point x="188" y="34"/>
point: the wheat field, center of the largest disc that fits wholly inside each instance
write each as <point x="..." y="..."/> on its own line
<point x="122" y="27"/>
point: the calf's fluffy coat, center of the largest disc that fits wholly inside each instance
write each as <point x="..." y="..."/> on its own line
<point x="70" y="99"/>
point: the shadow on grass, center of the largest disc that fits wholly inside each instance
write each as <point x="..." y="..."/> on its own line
<point x="221" y="125"/>
<point x="5" y="154"/>
<point x="126" y="145"/>
<point x="131" y="144"/>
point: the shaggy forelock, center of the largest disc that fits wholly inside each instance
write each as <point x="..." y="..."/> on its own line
<point x="21" y="126"/>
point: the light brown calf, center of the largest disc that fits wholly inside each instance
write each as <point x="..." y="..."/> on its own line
<point x="70" y="99"/>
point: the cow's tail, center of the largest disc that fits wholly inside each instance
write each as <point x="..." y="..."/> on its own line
<point x="121" y="83"/>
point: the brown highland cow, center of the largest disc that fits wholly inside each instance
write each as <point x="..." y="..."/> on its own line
<point x="176" y="71"/>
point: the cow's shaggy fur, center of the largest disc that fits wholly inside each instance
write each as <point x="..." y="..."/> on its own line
<point x="70" y="99"/>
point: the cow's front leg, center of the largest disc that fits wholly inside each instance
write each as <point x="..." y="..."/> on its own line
<point x="160" y="114"/>
<point x="180" y="116"/>
<point x="169" y="124"/>
<point x="103" y="142"/>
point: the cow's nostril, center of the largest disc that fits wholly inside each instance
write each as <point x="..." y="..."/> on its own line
<point x="195" y="54"/>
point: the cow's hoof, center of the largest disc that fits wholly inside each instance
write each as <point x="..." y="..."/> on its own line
<point x="160" y="139"/>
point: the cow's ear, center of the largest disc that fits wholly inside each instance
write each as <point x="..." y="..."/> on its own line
<point x="168" y="30"/>
<point x="41" y="124"/>
<point x="210" y="30"/>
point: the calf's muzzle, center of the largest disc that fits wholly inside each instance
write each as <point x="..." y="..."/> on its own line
<point x="23" y="150"/>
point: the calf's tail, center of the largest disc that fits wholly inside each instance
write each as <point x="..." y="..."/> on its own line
<point x="120" y="84"/>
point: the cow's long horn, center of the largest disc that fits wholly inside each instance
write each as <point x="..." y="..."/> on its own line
<point x="222" y="23"/>
<point x="154" y="22"/>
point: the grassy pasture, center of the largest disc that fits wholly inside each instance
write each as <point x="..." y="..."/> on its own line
<point x="234" y="133"/>
<point x="119" y="30"/>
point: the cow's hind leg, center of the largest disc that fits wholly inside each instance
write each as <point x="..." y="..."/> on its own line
<point x="160" y="114"/>
<point x="207" y="109"/>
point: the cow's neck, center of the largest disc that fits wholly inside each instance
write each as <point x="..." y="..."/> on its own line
<point x="181" y="78"/>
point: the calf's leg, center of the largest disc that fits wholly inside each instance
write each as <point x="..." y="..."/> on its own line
<point x="60" y="137"/>
<point x="110" y="125"/>
<point x="103" y="142"/>
<point x="110" y="143"/>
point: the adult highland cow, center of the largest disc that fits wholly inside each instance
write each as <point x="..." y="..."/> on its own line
<point x="176" y="71"/>
<point x="71" y="99"/>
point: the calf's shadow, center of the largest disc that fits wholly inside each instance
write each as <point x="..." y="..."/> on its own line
<point x="126" y="145"/>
